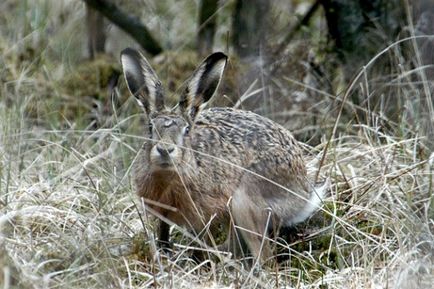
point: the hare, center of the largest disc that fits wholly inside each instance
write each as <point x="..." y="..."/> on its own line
<point x="200" y="168"/>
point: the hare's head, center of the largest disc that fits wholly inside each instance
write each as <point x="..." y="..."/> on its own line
<point x="169" y="130"/>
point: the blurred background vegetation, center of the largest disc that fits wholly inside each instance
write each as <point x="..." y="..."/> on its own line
<point x="297" y="55"/>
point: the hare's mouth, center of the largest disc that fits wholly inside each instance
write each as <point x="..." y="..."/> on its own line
<point x="164" y="164"/>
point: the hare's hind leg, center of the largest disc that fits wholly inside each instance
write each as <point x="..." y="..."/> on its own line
<point x="253" y="219"/>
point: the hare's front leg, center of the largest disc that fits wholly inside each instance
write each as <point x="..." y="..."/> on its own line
<point x="253" y="217"/>
<point x="164" y="235"/>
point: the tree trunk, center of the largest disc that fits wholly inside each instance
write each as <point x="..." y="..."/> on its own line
<point x="424" y="27"/>
<point x="351" y="25"/>
<point x="249" y="27"/>
<point x="360" y="29"/>
<point x="95" y="32"/>
<point x="207" y="26"/>
<point x="424" y="18"/>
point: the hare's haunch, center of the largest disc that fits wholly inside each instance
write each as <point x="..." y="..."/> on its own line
<point x="198" y="165"/>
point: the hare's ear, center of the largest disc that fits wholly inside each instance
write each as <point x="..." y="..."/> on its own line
<point x="142" y="81"/>
<point x="202" y="85"/>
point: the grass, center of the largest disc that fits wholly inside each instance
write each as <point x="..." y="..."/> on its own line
<point x="69" y="217"/>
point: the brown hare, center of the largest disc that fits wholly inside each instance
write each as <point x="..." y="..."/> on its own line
<point x="202" y="168"/>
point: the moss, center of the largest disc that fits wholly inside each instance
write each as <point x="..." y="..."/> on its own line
<point x="312" y="254"/>
<point x="141" y="248"/>
<point x="91" y="78"/>
<point x="80" y="97"/>
<point x="220" y="235"/>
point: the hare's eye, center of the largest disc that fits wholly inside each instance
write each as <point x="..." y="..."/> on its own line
<point x="187" y="130"/>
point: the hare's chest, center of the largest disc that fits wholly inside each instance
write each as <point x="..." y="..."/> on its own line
<point x="177" y="204"/>
<point x="194" y="208"/>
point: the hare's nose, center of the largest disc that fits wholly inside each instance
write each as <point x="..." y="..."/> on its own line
<point x="165" y="151"/>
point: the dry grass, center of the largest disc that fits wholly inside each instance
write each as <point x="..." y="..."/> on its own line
<point x="69" y="217"/>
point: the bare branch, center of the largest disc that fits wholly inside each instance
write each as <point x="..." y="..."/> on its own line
<point x="130" y="24"/>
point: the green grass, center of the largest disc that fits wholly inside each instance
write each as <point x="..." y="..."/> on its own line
<point x="69" y="217"/>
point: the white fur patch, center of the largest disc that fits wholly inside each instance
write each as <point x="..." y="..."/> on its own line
<point x="150" y="81"/>
<point x="216" y="72"/>
<point x="313" y="204"/>
<point x="218" y="69"/>
<point x="193" y="85"/>
<point x="129" y="65"/>
<point x="141" y="71"/>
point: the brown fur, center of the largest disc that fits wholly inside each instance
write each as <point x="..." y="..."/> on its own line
<point x="195" y="162"/>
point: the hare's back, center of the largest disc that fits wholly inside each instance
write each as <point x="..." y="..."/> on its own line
<point x="240" y="127"/>
<point x="245" y="138"/>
